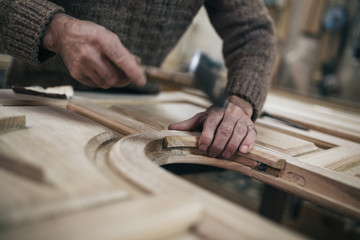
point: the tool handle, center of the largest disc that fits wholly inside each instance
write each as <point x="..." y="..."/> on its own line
<point x="169" y="77"/>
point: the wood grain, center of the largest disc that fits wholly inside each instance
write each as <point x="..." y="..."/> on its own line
<point x="51" y="151"/>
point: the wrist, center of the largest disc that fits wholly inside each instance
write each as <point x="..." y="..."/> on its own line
<point x="54" y="32"/>
<point x="243" y="104"/>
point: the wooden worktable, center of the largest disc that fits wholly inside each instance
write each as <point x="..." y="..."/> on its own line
<point x="89" y="168"/>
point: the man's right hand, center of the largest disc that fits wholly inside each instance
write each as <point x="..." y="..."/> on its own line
<point x="93" y="55"/>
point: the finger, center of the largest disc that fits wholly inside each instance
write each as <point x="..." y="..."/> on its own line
<point x="189" y="124"/>
<point x="87" y="81"/>
<point x="101" y="71"/>
<point x="210" y="125"/>
<point x="240" y="131"/>
<point x="249" y="140"/>
<point x="124" y="60"/>
<point x="223" y="134"/>
<point x="92" y="76"/>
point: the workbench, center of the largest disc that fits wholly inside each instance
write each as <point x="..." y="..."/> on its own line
<point x="89" y="167"/>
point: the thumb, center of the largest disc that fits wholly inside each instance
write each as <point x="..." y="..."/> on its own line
<point x="189" y="124"/>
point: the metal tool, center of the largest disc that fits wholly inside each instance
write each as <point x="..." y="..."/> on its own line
<point x="203" y="74"/>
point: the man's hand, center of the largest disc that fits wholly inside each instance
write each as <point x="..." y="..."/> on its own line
<point x="93" y="55"/>
<point x="225" y="131"/>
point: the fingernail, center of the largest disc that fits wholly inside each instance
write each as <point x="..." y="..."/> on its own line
<point x="244" y="149"/>
<point x="226" y="154"/>
<point x="212" y="154"/>
<point x="203" y="148"/>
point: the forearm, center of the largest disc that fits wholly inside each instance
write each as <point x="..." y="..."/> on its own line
<point x="23" y="24"/>
<point x="249" y="47"/>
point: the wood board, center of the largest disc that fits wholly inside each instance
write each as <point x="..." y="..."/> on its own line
<point x="82" y="196"/>
<point x="278" y="138"/>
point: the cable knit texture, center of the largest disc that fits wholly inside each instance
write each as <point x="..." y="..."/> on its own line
<point x="149" y="29"/>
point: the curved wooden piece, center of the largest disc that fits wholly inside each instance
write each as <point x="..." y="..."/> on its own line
<point x="135" y="155"/>
<point x="138" y="157"/>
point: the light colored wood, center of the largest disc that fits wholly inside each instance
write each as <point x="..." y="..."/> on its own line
<point x="50" y="150"/>
<point x="158" y="217"/>
<point x="141" y="167"/>
<point x="169" y="77"/>
<point x="8" y="121"/>
<point x="92" y="174"/>
<point x="84" y="195"/>
<point x="181" y="141"/>
<point x="316" y="115"/>
<point x="110" y="119"/>
<point x="254" y="154"/>
<point x="316" y="184"/>
<point x="339" y="159"/>
<point x="283" y="143"/>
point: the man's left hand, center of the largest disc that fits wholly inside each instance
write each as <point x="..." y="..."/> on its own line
<point x="225" y="130"/>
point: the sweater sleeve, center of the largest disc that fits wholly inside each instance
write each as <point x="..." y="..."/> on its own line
<point x="249" y="47"/>
<point x="22" y="26"/>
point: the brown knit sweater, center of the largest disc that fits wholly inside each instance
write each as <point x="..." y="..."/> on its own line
<point x="149" y="29"/>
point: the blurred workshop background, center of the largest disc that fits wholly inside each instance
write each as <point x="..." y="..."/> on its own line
<point x="318" y="56"/>
<point x="318" y="47"/>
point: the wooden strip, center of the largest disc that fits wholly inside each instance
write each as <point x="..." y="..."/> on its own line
<point x="181" y="141"/>
<point x="265" y="158"/>
<point x="8" y="122"/>
<point x="254" y="154"/>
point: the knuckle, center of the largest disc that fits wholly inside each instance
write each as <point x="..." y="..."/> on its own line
<point x="241" y="131"/>
<point x="226" y="130"/>
<point x="84" y="55"/>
